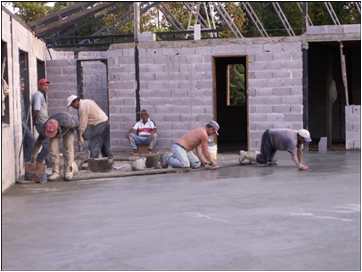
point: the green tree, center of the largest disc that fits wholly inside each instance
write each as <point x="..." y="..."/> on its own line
<point x="31" y="11"/>
<point x="237" y="84"/>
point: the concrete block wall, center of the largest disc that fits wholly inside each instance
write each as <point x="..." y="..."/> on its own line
<point x="17" y="37"/>
<point x="177" y="84"/>
<point x="353" y="127"/>
<point x="176" y="88"/>
<point x="122" y="98"/>
<point x="62" y="75"/>
<point x="275" y="88"/>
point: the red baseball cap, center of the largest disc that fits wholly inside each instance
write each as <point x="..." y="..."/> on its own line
<point x="43" y="81"/>
<point x="51" y="128"/>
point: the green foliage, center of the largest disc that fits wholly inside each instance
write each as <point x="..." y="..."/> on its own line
<point x="119" y="20"/>
<point x="238" y="16"/>
<point x="237" y="84"/>
<point x="30" y="11"/>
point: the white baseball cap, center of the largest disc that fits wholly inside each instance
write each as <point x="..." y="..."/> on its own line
<point x="70" y="99"/>
<point x="305" y="134"/>
<point x="214" y="125"/>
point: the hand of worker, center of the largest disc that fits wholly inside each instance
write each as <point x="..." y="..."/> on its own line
<point x="212" y="165"/>
<point x="81" y="140"/>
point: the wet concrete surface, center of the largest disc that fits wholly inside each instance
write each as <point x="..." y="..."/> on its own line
<point x="235" y="218"/>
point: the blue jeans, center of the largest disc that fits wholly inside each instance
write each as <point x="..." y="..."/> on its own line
<point x="98" y="140"/>
<point x="136" y="140"/>
<point x="183" y="159"/>
<point x="42" y="142"/>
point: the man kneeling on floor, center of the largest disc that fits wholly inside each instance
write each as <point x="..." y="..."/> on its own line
<point x="62" y="125"/>
<point x="144" y="132"/>
<point x="279" y="139"/>
<point x="93" y="126"/>
<point x="182" y="155"/>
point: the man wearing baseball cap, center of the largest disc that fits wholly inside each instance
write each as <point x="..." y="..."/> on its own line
<point x="93" y="126"/>
<point x="40" y="116"/>
<point x="197" y="138"/>
<point x="59" y="126"/>
<point x="280" y="139"/>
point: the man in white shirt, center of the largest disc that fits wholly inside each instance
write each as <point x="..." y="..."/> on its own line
<point x="144" y="132"/>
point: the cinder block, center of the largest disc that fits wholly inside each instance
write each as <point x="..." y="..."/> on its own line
<point x="292" y="99"/>
<point x="293" y="117"/>
<point x="282" y="91"/>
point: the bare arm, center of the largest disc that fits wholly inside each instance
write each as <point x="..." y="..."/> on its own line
<point x="200" y="155"/>
<point x="297" y="157"/>
<point x="35" y="115"/>
<point x="205" y="151"/>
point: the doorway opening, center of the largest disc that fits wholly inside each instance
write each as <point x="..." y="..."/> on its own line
<point x="231" y="102"/>
<point x="24" y="87"/>
<point x="24" y="94"/>
<point x="92" y="80"/>
<point x="326" y="91"/>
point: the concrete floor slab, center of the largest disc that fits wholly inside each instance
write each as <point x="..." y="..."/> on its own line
<point x="236" y="218"/>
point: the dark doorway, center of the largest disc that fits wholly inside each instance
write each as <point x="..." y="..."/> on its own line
<point x="231" y="102"/>
<point x="92" y="82"/>
<point x="326" y="92"/>
<point x="24" y="87"/>
<point x="40" y="65"/>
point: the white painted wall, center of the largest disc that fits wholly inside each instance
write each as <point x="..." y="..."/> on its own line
<point x="17" y="36"/>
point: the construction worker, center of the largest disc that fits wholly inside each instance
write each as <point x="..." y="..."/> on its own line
<point x="93" y="126"/>
<point x="144" y="132"/>
<point x="182" y="155"/>
<point x="62" y="126"/>
<point x="40" y="116"/>
<point x="279" y="139"/>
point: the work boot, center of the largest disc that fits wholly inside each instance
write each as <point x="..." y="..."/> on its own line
<point x="54" y="176"/>
<point x="68" y="176"/>
<point x="55" y="171"/>
<point x="70" y="172"/>
<point x="273" y="163"/>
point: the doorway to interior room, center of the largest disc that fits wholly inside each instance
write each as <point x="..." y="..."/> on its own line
<point x="231" y="102"/>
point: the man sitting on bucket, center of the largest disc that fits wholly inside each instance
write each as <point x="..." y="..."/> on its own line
<point x="62" y="125"/>
<point x="279" y="139"/>
<point x="144" y="132"/>
<point x="197" y="138"/>
<point x="93" y="126"/>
